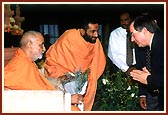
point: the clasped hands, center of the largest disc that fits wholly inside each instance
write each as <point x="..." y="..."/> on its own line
<point x="140" y="76"/>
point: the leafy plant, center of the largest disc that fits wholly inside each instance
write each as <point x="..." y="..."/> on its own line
<point x="116" y="92"/>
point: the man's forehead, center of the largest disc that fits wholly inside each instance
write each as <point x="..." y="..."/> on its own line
<point x="93" y="26"/>
<point x="132" y="26"/>
<point x="124" y="17"/>
<point x="38" y="39"/>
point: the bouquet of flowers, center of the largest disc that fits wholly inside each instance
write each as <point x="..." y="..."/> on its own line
<point x="76" y="83"/>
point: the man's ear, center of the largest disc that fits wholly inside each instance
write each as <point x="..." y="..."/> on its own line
<point x="82" y="31"/>
<point x="28" y="45"/>
<point x="144" y="30"/>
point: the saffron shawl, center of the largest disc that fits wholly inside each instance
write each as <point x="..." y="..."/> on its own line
<point x="23" y="74"/>
<point x="70" y="53"/>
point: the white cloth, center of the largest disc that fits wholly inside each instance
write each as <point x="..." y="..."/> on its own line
<point x="117" y="48"/>
<point x="71" y="88"/>
<point x="83" y="91"/>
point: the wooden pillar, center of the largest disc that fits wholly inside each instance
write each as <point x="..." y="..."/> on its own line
<point x="7" y="14"/>
<point x="106" y="32"/>
<point x="18" y="19"/>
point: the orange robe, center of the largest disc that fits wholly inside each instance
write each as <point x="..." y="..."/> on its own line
<point x="22" y="74"/>
<point x="70" y="53"/>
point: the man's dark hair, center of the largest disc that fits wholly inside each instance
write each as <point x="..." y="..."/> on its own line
<point x="84" y="23"/>
<point x="147" y="21"/>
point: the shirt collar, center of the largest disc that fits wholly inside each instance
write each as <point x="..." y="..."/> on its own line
<point x="151" y="41"/>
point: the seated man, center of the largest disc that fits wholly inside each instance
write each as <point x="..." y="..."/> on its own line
<point x="21" y="73"/>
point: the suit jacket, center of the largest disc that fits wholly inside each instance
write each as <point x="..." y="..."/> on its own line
<point x="140" y="55"/>
<point x="156" y="79"/>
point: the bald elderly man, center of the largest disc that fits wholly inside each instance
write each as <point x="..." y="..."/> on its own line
<point x="21" y="73"/>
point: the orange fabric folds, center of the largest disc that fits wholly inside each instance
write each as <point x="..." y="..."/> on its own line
<point x="74" y="108"/>
<point x="70" y="53"/>
<point x="22" y="74"/>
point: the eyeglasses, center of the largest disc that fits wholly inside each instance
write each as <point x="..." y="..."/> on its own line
<point x="132" y="33"/>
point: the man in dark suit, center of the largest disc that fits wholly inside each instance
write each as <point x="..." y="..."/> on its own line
<point x="145" y="33"/>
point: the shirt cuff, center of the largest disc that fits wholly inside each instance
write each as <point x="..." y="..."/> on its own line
<point x="142" y="96"/>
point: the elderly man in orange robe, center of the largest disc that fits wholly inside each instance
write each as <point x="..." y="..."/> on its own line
<point x="21" y="73"/>
<point x="78" y="49"/>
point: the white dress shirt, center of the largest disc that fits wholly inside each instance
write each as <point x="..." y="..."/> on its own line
<point x="117" y="48"/>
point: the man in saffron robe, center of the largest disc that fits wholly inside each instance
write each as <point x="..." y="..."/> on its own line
<point x="21" y="73"/>
<point x="78" y="49"/>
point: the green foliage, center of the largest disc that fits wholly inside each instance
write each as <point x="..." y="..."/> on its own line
<point x="116" y="92"/>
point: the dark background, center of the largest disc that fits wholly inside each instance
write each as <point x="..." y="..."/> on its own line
<point x="67" y="15"/>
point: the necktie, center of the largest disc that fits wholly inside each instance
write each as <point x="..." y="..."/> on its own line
<point x="129" y="55"/>
<point x="148" y="56"/>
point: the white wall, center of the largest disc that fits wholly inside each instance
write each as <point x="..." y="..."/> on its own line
<point x="35" y="101"/>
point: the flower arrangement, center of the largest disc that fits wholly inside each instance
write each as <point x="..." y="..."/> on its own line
<point x="10" y="25"/>
<point x="116" y="92"/>
<point x="74" y="82"/>
<point x="13" y="28"/>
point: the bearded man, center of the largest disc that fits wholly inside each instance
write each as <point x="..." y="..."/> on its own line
<point x="78" y="49"/>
